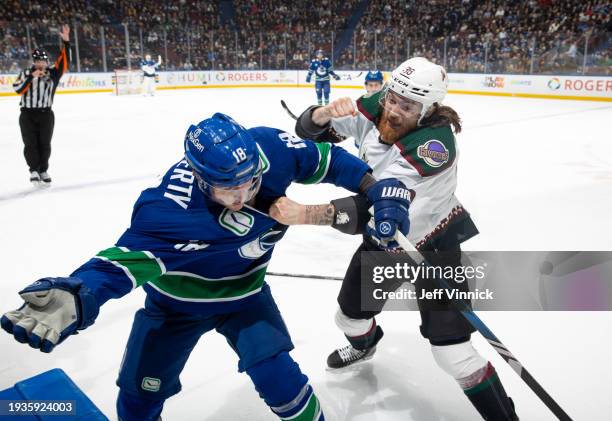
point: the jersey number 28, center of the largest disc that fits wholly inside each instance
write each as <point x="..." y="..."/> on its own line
<point x="292" y="141"/>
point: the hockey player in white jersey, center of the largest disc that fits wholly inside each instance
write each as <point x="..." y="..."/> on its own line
<point x="149" y="69"/>
<point x="405" y="132"/>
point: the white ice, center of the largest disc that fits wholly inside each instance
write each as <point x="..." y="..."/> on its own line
<point x="535" y="175"/>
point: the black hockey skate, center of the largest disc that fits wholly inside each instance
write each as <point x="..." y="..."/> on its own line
<point x="360" y="349"/>
<point x="348" y="355"/>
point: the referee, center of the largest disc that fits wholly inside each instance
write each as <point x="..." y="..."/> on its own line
<point x="37" y="86"/>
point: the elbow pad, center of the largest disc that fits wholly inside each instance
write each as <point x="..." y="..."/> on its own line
<point x="351" y="214"/>
<point x="307" y="129"/>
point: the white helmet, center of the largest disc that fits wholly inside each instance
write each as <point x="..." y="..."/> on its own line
<point x="420" y="80"/>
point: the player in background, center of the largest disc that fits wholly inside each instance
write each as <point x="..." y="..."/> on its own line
<point x="405" y="132"/>
<point x="322" y="69"/>
<point x="373" y="81"/>
<point x="37" y="85"/>
<point x="199" y="244"/>
<point x="149" y="68"/>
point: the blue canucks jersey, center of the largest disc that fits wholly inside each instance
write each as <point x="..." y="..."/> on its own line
<point x="321" y="69"/>
<point x="192" y="254"/>
<point x="149" y="67"/>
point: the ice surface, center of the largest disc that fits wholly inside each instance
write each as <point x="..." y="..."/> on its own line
<point x="535" y="175"/>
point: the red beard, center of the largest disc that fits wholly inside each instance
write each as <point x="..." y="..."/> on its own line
<point x="389" y="134"/>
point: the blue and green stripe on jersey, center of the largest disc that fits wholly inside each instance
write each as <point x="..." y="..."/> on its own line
<point x="323" y="166"/>
<point x="143" y="267"/>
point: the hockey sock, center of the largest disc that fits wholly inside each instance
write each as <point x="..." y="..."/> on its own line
<point x="285" y="389"/>
<point x="486" y="392"/>
<point x="304" y="407"/>
<point x="134" y="408"/>
<point x="367" y="340"/>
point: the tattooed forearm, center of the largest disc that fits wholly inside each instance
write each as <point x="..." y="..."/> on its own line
<point x="319" y="214"/>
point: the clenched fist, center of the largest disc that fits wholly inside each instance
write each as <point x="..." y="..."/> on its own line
<point x="288" y="212"/>
<point x="341" y="107"/>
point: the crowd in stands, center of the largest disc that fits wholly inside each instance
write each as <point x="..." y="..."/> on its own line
<point x="508" y="31"/>
<point x="494" y="36"/>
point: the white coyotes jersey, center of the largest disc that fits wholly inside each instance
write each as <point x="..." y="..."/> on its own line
<point x="425" y="161"/>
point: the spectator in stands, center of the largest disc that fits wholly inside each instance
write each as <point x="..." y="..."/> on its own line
<point x="261" y="28"/>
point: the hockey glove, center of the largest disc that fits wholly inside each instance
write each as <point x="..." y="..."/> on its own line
<point x="307" y="79"/>
<point x="54" y="309"/>
<point x="390" y="199"/>
<point x="336" y="77"/>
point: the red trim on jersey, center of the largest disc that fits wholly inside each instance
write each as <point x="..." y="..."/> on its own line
<point x="454" y="214"/>
<point x="408" y="158"/>
<point x="364" y="111"/>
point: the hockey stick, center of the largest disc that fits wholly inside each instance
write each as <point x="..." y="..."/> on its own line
<point x="498" y="345"/>
<point x="284" y="105"/>
<point x="301" y="275"/>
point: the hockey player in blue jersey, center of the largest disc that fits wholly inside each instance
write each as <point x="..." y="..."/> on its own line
<point x="373" y="82"/>
<point x="149" y="68"/>
<point x="199" y="244"/>
<point x="322" y="69"/>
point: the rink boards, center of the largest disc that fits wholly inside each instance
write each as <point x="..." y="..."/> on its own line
<point x="527" y="86"/>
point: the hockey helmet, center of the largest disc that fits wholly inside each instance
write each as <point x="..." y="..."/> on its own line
<point x="225" y="160"/>
<point x="39" y="55"/>
<point x="374" y="76"/>
<point x="420" y="80"/>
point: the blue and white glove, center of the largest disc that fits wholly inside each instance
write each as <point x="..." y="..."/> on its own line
<point x="336" y="77"/>
<point x="54" y="309"/>
<point x="391" y="200"/>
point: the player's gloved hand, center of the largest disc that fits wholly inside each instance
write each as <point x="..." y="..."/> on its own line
<point x="54" y="309"/>
<point x="308" y="79"/>
<point x="390" y="199"/>
<point x="336" y="77"/>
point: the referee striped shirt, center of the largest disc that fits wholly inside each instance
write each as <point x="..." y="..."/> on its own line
<point x="38" y="92"/>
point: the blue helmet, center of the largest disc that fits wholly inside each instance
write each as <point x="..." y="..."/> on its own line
<point x="222" y="153"/>
<point x="374" y="76"/>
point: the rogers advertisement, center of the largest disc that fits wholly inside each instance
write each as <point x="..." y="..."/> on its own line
<point x="539" y="86"/>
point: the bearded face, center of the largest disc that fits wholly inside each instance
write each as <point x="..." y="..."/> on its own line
<point x="399" y="117"/>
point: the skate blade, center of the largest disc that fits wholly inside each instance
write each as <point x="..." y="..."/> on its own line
<point x="349" y="368"/>
<point x="41" y="185"/>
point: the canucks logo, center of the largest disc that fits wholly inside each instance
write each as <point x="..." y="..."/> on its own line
<point x="434" y="153"/>
<point x="238" y="222"/>
<point x="261" y="245"/>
